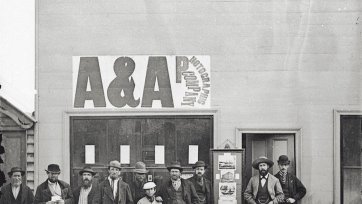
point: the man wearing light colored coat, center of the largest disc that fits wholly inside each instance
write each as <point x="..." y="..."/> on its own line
<point x="263" y="188"/>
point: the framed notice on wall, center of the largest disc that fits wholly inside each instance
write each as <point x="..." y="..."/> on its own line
<point x="227" y="175"/>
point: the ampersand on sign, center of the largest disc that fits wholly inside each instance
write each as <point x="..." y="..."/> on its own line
<point x="120" y="90"/>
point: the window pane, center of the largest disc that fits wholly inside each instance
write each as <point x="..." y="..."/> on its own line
<point x="351" y="153"/>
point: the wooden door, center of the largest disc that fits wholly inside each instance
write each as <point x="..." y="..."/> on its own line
<point x="15" y="151"/>
<point x="271" y="146"/>
<point x="351" y="159"/>
<point x="141" y="134"/>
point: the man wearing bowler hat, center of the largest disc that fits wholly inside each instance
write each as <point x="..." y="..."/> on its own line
<point x="201" y="184"/>
<point x="84" y="194"/>
<point x="15" y="192"/>
<point x="53" y="190"/>
<point x="139" y="179"/>
<point x="113" y="190"/>
<point x="293" y="188"/>
<point x="177" y="190"/>
<point x="263" y="188"/>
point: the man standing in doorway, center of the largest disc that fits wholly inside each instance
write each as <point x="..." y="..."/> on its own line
<point x="263" y="188"/>
<point x="293" y="188"/>
<point x="85" y="193"/>
<point x="53" y="189"/>
<point x="201" y="184"/>
<point x="15" y="192"/>
<point x="176" y="189"/>
<point x="113" y="190"/>
<point x="139" y="179"/>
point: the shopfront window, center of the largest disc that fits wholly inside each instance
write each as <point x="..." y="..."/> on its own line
<point x="351" y="159"/>
<point x="141" y="134"/>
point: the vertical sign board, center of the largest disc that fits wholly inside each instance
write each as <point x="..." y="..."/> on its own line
<point x="227" y="175"/>
<point x="141" y="81"/>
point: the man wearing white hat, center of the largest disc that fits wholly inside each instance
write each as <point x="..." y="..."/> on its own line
<point x="113" y="190"/>
<point x="149" y="198"/>
<point x="263" y="188"/>
<point x="139" y="179"/>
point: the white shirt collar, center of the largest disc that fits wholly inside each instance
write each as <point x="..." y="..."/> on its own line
<point x="266" y="176"/>
<point x="110" y="179"/>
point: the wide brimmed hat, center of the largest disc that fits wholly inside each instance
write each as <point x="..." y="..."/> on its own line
<point x="53" y="168"/>
<point x="175" y="165"/>
<point x="283" y="159"/>
<point x="199" y="164"/>
<point x="115" y="164"/>
<point x="16" y="169"/>
<point x="262" y="159"/>
<point x="140" y="168"/>
<point x="149" y="185"/>
<point x="87" y="169"/>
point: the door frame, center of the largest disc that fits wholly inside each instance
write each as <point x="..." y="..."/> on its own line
<point x="298" y="141"/>
<point x="126" y="112"/>
<point x="337" y="113"/>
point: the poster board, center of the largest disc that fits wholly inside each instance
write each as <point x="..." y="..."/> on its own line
<point x="227" y="175"/>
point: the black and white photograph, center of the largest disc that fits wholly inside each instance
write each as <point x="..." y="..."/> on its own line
<point x="160" y="101"/>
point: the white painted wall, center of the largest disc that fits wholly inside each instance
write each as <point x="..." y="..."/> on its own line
<point x="275" y="64"/>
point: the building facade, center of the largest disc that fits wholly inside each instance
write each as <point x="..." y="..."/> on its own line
<point x="285" y="78"/>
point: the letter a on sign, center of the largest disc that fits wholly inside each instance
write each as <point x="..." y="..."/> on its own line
<point x="157" y="68"/>
<point x="89" y="70"/>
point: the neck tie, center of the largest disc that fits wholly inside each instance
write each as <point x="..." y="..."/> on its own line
<point x="263" y="180"/>
<point x="283" y="177"/>
<point x="112" y="186"/>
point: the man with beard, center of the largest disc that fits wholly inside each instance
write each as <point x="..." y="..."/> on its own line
<point x="53" y="190"/>
<point x="201" y="184"/>
<point x="263" y="188"/>
<point x="15" y="192"/>
<point x="177" y="190"/>
<point x="293" y="188"/>
<point x="139" y="179"/>
<point x="85" y="193"/>
<point x="113" y="190"/>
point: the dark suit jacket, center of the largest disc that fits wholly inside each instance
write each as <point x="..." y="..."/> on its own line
<point x="44" y="195"/>
<point x="207" y="184"/>
<point x="168" y="194"/>
<point x="104" y="194"/>
<point x="27" y="196"/>
<point x="296" y="188"/>
<point x="91" y="194"/>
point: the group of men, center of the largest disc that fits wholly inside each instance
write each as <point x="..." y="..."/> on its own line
<point x="263" y="188"/>
<point x="113" y="190"/>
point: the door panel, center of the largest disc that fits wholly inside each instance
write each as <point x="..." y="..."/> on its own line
<point x="351" y="159"/>
<point x="269" y="145"/>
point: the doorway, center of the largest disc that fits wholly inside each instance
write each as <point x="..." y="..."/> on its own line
<point x="271" y="145"/>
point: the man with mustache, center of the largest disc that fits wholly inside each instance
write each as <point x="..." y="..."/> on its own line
<point x="263" y="188"/>
<point x="113" y="190"/>
<point x="15" y="192"/>
<point x="201" y="184"/>
<point x="293" y="188"/>
<point x="85" y="193"/>
<point x="177" y="190"/>
<point x="53" y="190"/>
<point x="139" y="179"/>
